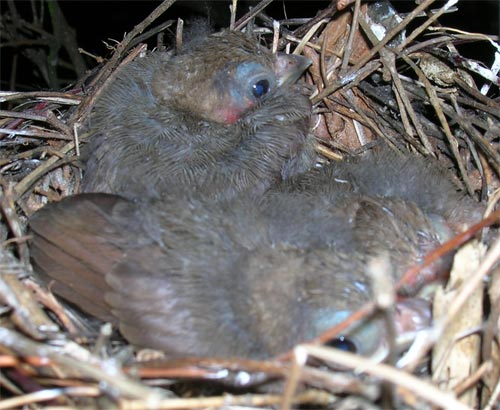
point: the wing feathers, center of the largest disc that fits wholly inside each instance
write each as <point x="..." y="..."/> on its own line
<point x="76" y="243"/>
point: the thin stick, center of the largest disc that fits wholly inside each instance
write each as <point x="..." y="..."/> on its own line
<point x="426" y="391"/>
<point x="332" y="87"/>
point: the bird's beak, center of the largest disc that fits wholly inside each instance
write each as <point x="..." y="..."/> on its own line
<point x="289" y="67"/>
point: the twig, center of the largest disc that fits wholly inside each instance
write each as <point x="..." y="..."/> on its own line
<point x="23" y="185"/>
<point x="106" y="71"/>
<point x="439" y="112"/>
<point x="47" y="395"/>
<point x="363" y="61"/>
<point x="399" y="378"/>
<point x="49" y="96"/>
<point x="251" y="14"/>
<point x="76" y="359"/>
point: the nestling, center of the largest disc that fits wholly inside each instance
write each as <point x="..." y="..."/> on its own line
<point x="220" y="118"/>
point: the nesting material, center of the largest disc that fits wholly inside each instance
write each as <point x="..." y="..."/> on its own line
<point x="376" y="75"/>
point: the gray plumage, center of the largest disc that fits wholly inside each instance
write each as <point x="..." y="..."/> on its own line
<point x="221" y="118"/>
<point x="192" y="277"/>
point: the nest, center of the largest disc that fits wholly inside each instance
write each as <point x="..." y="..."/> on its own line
<point x="377" y="75"/>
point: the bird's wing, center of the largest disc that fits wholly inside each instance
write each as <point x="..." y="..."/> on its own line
<point x="149" y="270"/>
<point x="75" y="244"/>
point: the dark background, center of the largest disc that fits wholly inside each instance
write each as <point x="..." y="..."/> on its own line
<point x="110" y="19"/>
<point x="98" y="21"/>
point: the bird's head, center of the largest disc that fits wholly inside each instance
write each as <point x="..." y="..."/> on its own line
<point x="225" y="76"/>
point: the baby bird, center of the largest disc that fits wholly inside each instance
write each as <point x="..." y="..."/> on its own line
<point x="204" y="278"/>
<point x="220" y="118"/>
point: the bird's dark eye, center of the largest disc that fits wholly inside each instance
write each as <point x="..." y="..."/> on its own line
<point x="260" y="88"/>
<point x="342" y="343"/>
